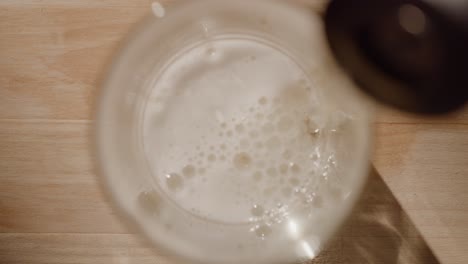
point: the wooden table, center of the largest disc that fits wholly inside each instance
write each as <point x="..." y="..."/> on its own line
<point x="52" y="56"/>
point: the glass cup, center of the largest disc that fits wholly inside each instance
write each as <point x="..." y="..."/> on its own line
<point x="227" y="134"/>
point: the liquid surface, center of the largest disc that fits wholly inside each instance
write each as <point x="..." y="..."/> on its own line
<point x="234" y="133"/>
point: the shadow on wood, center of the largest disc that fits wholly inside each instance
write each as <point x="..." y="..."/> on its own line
<point x="378" y="232"/>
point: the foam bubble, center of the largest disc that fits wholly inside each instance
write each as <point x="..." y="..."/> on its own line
<point x="257" y="176"/>
<point x="263" y="230"/>
<point x="242" y="160"/>
<point x="295" y="168"/>
<point x="174" y="182"/>
<point x="314" y="156"/>
<point x="211" y="51"/>
<point x="313" y="128"/>
<point x="283" y="168"/>
<point x="263" y="100"/>
<point x="211" y="158"/>
<point x="188" y="171"/>
<point x="149" y="201"/>
<point x="257" y="210"/>
<point x="239" y="128"/>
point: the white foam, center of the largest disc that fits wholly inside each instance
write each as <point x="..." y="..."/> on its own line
<point x="263" y="151"/>
<point x="253" y="123"/>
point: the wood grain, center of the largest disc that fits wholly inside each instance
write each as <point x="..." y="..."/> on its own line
<point x="48" y="185"/>
<point x="48" y="181"/>
<point x="76" y="248"/>
<point x="53" y="55"/>
<point x="52" y="58"/>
